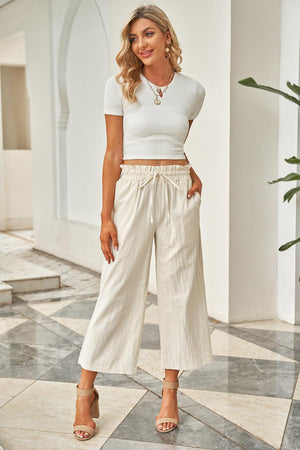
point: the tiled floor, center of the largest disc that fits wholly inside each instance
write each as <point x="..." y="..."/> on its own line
<point x="248" y="397"/>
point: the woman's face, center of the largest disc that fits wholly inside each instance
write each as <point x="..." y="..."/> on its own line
<point x="148" y="42"/>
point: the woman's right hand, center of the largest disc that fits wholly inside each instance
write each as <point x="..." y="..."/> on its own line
<point x="108" y="234"/>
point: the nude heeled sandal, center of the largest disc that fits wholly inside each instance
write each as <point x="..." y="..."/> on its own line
<point x="170" y="385"/>
<point x="94" y="412"/>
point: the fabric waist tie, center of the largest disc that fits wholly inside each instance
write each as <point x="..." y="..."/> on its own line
<point x="151" y="173"/>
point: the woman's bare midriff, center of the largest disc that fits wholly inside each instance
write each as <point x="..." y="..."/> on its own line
<point x="156" y="162"/>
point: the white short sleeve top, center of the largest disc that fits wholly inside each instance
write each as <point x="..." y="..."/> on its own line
<point x="153" y="131"/>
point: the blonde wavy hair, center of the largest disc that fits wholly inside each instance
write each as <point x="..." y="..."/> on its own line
<point x="130" y="65"/>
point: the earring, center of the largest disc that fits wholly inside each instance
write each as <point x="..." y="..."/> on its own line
<point x="167" y="54"/>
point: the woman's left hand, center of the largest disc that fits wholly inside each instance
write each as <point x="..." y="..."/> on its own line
<point x="196" y="186"/>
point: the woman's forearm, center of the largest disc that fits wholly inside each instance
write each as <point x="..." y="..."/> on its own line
<point x="110" y="173"/>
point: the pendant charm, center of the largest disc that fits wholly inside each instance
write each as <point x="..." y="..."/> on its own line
<point x="160" y="92"/>
<point x="157" y="101"/>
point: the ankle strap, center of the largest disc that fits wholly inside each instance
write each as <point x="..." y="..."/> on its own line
<point x="84" y="392"/>
<point x="170" y="384"/>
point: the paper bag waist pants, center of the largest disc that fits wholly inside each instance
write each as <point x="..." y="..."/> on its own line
<point x="151" y="203"/>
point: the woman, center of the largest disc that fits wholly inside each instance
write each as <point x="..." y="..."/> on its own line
<point x="149" y="108"/>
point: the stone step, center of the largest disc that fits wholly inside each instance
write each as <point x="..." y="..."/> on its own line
<point x="24" y="276"/>
<point x="5" y="293"/>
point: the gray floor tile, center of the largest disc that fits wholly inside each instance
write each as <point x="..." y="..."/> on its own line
<point x="226" y="428"/>
<point x="33" y="333"/>
<point x="80" y="309"/>
<point x="150" y="336"/>
<point x="29" y="361"/>
<point x="121" y="444"/>
<point x="291" y="439"/>
<point x="243" y="375"/>
<point x="139" y="425"/>
<point x="284" y="343"/>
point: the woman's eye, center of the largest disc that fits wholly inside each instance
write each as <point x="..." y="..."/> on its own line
<point x="150" y="33"/>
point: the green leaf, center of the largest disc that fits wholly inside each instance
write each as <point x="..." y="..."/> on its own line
<point x="288" y="244"/>
<point x="293" y="160"/>
<point x="289" y="194"/>
<point x="250" y="82"/>
<point x="294" y="87"/>
<point x="290" y="177"/>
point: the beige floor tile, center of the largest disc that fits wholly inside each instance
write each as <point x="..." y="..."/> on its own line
<point x="149" y="361"/>
<point x="77" y="325"/>
<point x="18" y="439"/>
<point x="49" y="308"/>
<point x="49" y="406"/>
<point x="151" y="314"/>
<point x="225" y="344"/>
<point x="275" y="324"/>
<point x="10" y="387"/>
<point x="7" y="323"/>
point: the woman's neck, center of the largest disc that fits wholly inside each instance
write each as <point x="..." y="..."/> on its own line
<point x="158" y="75"/>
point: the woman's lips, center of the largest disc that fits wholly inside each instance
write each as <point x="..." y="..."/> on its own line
<point x="146" y="54"/>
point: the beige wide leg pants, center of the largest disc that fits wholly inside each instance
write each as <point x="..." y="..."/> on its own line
<point x="151" y="203"/>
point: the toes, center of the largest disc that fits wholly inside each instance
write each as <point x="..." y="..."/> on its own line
<point x="82" y="434"/>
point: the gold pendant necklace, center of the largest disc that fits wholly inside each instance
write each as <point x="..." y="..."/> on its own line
<point x="159" y="91"/>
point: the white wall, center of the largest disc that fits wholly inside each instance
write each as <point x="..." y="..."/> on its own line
<point x="15" y="165"/>
<point x="255" y="52"/>
<point x="288" y="300"/>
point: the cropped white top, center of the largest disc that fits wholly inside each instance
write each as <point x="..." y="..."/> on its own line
<point x="153" y="131"/>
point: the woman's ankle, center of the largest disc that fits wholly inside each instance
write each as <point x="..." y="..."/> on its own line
<point x="84" y="385"/>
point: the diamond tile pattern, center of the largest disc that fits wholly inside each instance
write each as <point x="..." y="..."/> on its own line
<point x="247" y="398"/>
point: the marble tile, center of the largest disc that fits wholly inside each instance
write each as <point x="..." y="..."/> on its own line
<point x="31" y="332"/>
<point x="140" y="424"/>
<point x="151" y="314"/>
<point x="8" y="323"/>
<point x="150" y="361"/>
<point x="264" y="417"/>
<point x="274" y="324"/>
<point x="6" y="293"/>
<point x="153" y="384"/>
<point x="10" y="387"/>
<point x="51" y="307"/>
<point x="50" y="324"/>
<point x="29" y="361"/>
<point x="11" y="312"/>
<point x="20" y="439"/>
<point x="79" y="309"/>
<point x="281" y="342"/>
<point x="68" y="370"/>
<point x="55" y="293"/>
<point x="297" y="389"/>
<point x="225" y="344"/>
<point x="151" y="298"/>
<point x="23" y="275"/>
<point x="291" y="438"/>
<point x="78" y="325"/>
<point x="228" y="429"/>
<point x="122" y="444"/>
<point x="150" y="337"/>
<point x="243" y="375"/>
<point x="54" y="408"/>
